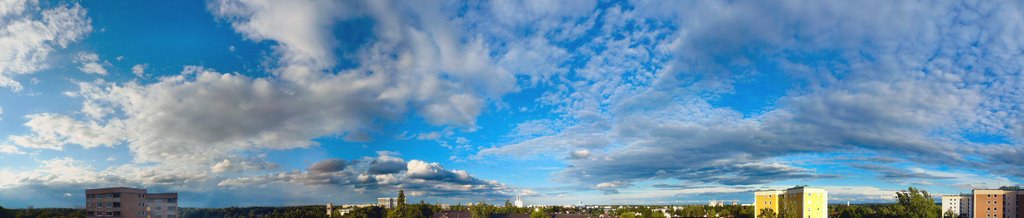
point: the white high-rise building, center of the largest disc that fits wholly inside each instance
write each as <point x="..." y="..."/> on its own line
<point x="957" y="204"/>
<point x="519" y="201"/>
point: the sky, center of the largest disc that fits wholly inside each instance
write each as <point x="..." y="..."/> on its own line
<point x="261" y="102"/>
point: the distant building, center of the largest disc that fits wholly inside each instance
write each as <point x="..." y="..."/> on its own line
<point x="344" y="208"/>
<point x="519" y="201"/>
<point x="957" y="204"/>
<point x="388" y="202"/>
<point x="129" y="203"/>
<point x="807" y="202"/>
<point x="162" y="205"/>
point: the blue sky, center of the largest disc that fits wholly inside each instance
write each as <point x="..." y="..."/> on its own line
<point x="254" y="102"/>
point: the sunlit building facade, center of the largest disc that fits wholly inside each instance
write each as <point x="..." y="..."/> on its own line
<point x="957" y="204"/>
<point x="805" y="201"/>
<point x="995" y="203"/>
<point x="129" y="203"/>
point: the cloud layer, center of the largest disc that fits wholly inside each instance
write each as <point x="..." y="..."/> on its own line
<point x="701" y="97"/>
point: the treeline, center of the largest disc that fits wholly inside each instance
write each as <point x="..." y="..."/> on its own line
<point x="313" y="211"/>
<point x="737" y="211"/>
<point x="42" y="212"/>
<point x="910" y="203"/>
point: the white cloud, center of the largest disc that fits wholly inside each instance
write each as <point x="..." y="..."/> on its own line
<point x="59" y="171"/>
<point x="10" y="149"/>
<point x="28" y="34"/>
<point x="139" y="69"/>
<point x="580" y="154"/>
<point x="428" y="179"/>
<point x="242" y="165"/>
<point x="429" y="136"/>
<point x="902" y="92"/>
<point x="91" y="63"/>
<point x="421" y="61"/>
<point x="53" y="131"/>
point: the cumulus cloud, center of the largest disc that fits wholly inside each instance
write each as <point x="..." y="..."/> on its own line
<point x="386" y="163"/>
<point x="53" y="131"/>
<point x="139" y="69"/>
<point x="239" y="165"/>
<point x="421" y="177"/>
<point x="29" y="33"/>
<point x="579" y="154"/>
<point x="10" y="149"/>
<point x="408" y="63"/>
<point x="59" y="171"/>
<point x="328" y="165"/>
<point x="91" y="63"/>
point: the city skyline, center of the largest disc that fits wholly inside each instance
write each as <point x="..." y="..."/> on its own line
<point x="259" y="102"/>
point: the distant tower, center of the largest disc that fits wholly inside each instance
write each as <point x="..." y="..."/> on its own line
<point x="519" y="201"/>
<point x="330" y="209"/>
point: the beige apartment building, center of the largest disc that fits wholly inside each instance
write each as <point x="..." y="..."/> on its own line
<point x="124" y="202"/>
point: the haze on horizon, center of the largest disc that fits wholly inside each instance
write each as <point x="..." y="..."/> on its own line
<point x="262" y="102"/>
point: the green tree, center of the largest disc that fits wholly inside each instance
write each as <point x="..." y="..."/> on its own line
<point x="539" y="214"/>
<point x="4" y="213"/>
<point x="951" y="214"/>
<point x="657" y="214"/>
<point x="917" y="204"/>
<point x="628" y="214"/>
<point x="401" y="198"/>
<point x="767" y="213"/>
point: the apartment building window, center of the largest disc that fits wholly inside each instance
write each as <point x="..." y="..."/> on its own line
<point x="117" y="195"/>
<point x="117" y="213"/>
<point x="109" y="213"/>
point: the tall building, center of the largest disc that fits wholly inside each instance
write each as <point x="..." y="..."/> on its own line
<point x="766" y="200"/>
<point x="997" y="203"/>
<point x="804" y="201"/>
<point x="986" y="203"/>
<point x="129" y="203"/>
<point x="519" y="201"/>
<point x="162" y="205"/>
<point x="388" y="202"/>
<point x="957" y="204"/>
